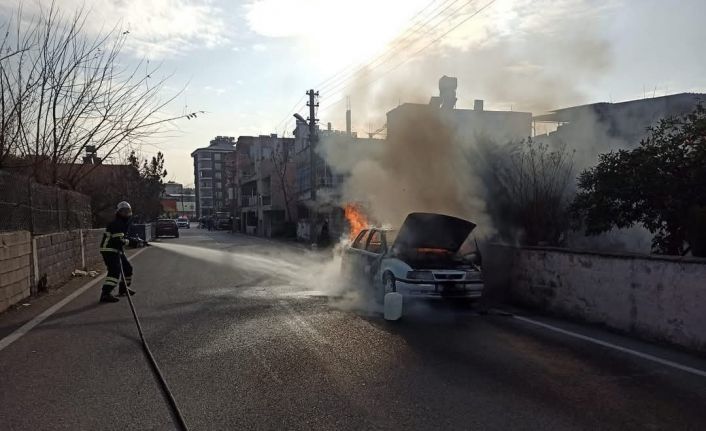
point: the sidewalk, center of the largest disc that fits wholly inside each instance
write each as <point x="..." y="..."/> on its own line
<point x="21" y="313"/>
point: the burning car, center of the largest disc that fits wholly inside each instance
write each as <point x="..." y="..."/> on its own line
<point x="423" y="259"/>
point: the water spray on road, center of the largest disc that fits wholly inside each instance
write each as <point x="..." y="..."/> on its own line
<point x="293" y="271"/>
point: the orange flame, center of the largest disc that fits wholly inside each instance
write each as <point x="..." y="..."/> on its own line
<point x="357" y="221"/>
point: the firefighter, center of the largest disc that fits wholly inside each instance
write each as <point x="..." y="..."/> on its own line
<point x="114" y="239"/>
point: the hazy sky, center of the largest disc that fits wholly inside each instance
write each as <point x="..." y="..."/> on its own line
<point x="248" y="62"/>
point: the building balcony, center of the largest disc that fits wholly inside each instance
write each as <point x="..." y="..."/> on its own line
<point x="248" y="201"/>
<point x="247" y="176"/>
<point x="253" y="202"/>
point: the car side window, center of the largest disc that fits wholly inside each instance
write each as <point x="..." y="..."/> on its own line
<point x="359" y="241"/>
<point x="374" y="242"/>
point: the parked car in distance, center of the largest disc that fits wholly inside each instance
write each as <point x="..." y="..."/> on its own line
<point x="183" y="222"/>
<point x="224" y="223"/>
<point x="166" y="227"/>
<point x="423" y="259"/>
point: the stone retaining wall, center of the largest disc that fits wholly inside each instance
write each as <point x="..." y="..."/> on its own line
<point x="15" y="267"/>
<point x="91" y="244"/>
<point x="654" y="297"/>
<point x="59" y="254"/>
<point x="31" y="264"/>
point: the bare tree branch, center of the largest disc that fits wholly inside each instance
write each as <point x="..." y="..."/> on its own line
<point x="63" y="91"/>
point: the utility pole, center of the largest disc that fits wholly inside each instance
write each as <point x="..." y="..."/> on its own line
<point x="313" y="139"/>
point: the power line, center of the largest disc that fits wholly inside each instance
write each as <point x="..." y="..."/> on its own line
<point x="283" y="120"/>
<point x="446" y="5"/>
<point x="454" y="12"/>
<point x="290" y="117"/>
<point x="324" y="82"/>
<point x="390" y="53"/>
<point x="402" y="37"/>
<point x="422" y="49"/>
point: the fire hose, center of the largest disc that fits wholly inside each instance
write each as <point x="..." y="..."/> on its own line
<point x="174" y="408"/>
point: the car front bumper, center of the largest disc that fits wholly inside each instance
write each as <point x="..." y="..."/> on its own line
<point x="442" y="289"/>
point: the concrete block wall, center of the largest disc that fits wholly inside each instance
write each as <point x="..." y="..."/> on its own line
<point x="654" y="297"/>
<point x="59" y="254"/>
<point x="15" y="267"/>
<point x="91" y="246"/>
<point x="28" y="264"/>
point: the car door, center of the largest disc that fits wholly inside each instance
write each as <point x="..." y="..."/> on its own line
<point x="353" y="261"/>
<point x="373" y="252"/>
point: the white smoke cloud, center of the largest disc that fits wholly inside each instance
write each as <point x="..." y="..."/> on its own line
<point x="519" y="55"/>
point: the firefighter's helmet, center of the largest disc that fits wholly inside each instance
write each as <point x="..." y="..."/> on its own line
<point x="124" y="206"/>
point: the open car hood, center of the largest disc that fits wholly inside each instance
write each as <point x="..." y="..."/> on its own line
<point x="428" y="230"/>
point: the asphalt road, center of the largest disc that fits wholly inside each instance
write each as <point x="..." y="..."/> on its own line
<point x="253" y="334"/>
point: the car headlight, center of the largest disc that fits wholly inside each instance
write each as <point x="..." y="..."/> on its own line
<point x="473" y="275"/>
<point x="420" y="275"/>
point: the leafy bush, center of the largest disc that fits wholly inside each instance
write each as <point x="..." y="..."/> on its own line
<point x="658" y="184"/>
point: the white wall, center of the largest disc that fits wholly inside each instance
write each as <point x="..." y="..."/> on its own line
<point x="661" y="298"/>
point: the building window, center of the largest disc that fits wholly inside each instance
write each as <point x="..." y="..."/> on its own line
<point x="219" y="185"/>
<point x="217" y="175"/>
<point x="206" y="193"/>
<point x="205" y="164"/>
<point x="217" y="156"/>
<point x="206" y="202"/>
<point x="266" y="153"/>
<point x="218" y="166"/>
<point x="219" y="195"/>
<point x="205" y="156"/>
<point x="205" y="183"/>
<point x="303" y="180"/>
<point x="205" y="174"/>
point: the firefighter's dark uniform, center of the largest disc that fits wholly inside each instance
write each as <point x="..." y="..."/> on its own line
<point x="114" y="239"/>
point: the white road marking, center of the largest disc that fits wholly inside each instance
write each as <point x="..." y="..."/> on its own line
<point x="24" y="329"/>
<point x="646" y="356"/>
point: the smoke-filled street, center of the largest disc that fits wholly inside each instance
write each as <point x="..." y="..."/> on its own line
<point x="254" y="334"/>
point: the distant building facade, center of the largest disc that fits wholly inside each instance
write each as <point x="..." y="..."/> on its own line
<point x="172" y="188"/>
<point x="262" y="183"/>
<point x="210" y="182"/>
<point x="464" y="124"/>
<point x="602" y="127"/>
<point x="178" y="201"/>
<point x="328" y="182"/>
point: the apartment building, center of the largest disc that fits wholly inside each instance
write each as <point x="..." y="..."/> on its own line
<point x="210" y="180"/>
